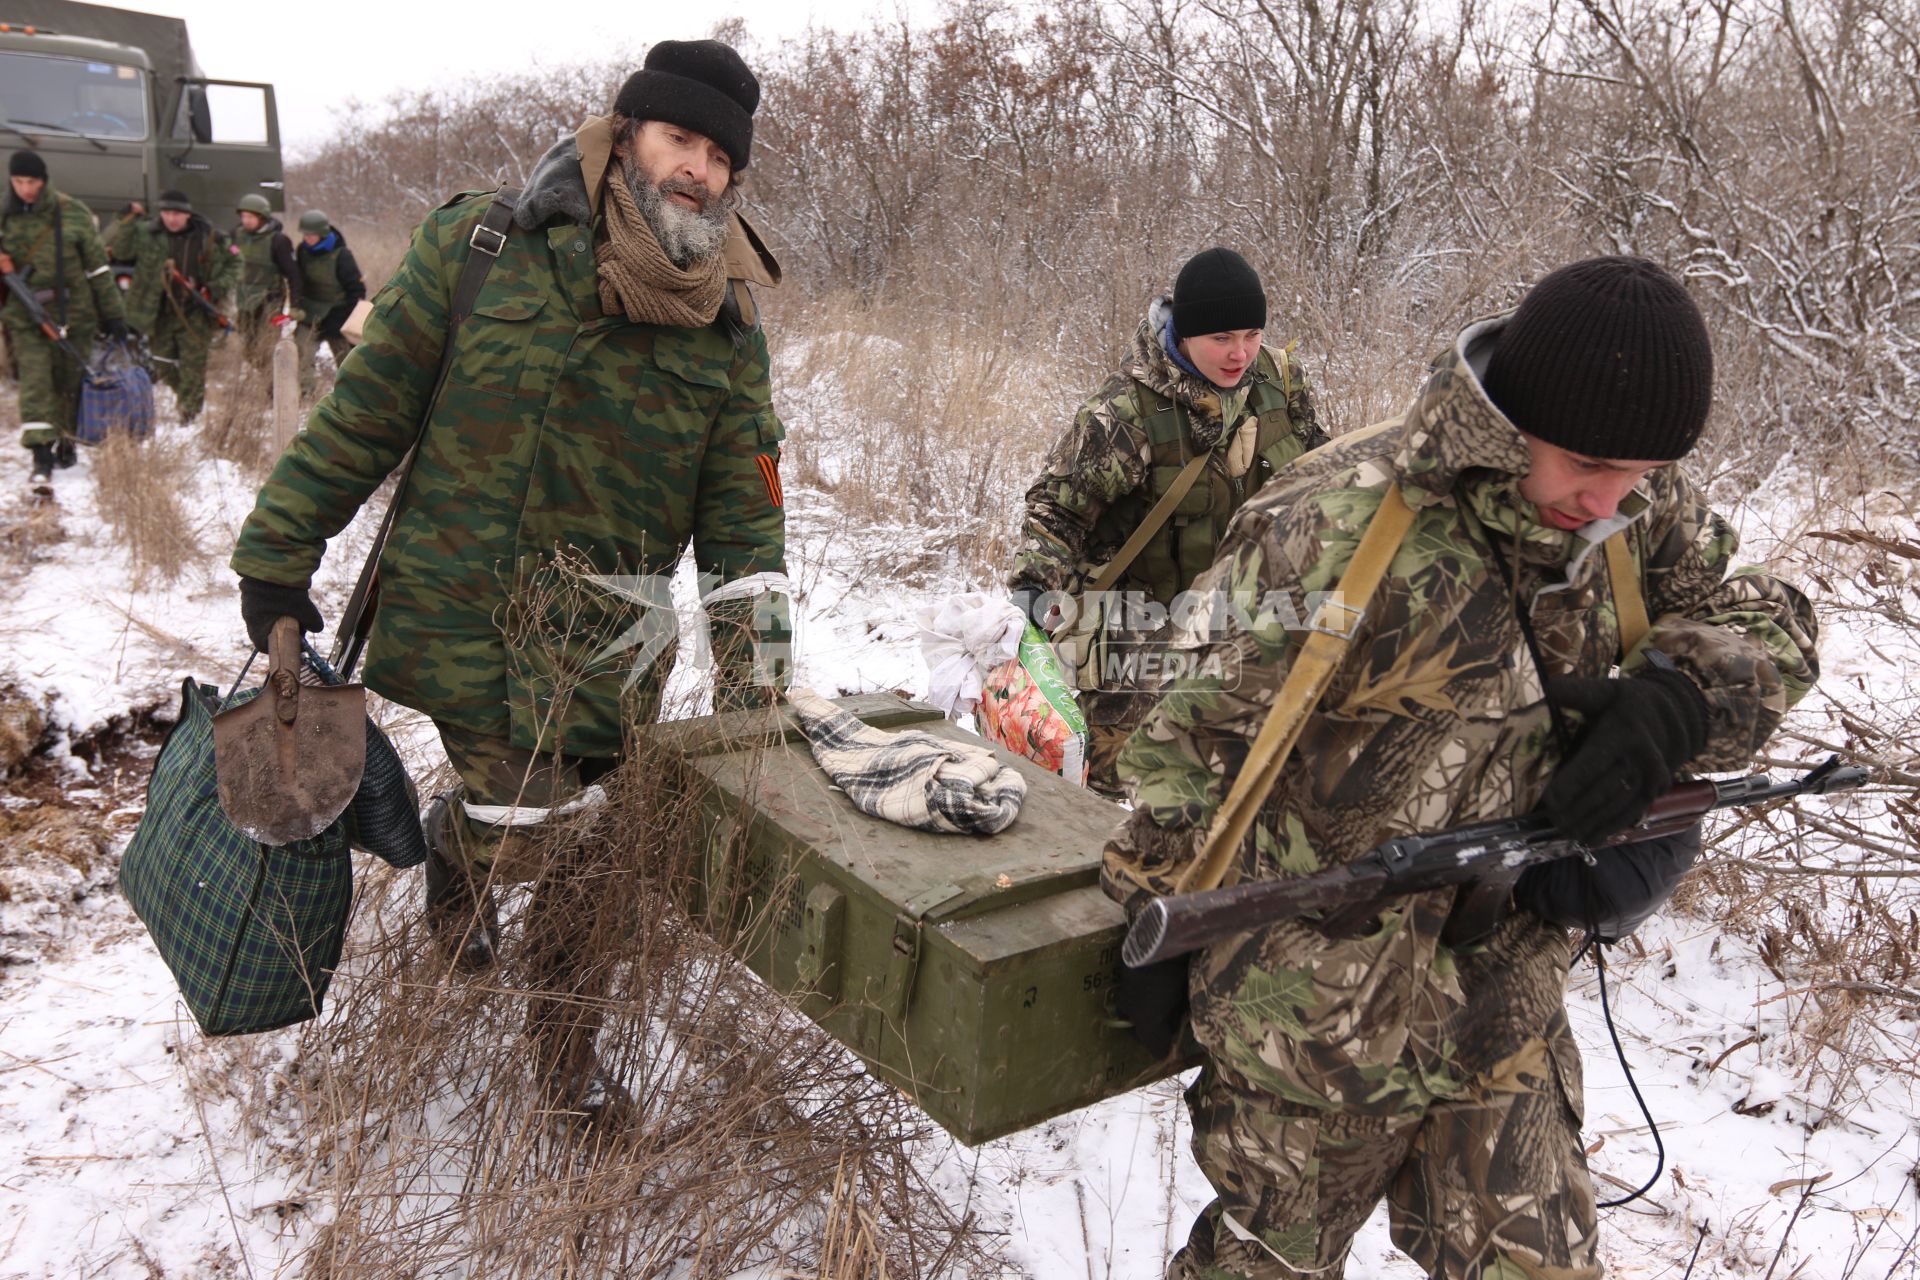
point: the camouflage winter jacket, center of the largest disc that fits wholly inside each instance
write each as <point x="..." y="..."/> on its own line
<point x="69" y="273"/>
<point x="202" y="254"/>
<point x="561" y="430"/>
<point x="1130" y="440"/>
<point x="1436" y="717"/>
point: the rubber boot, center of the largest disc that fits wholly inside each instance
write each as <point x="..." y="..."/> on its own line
<point x="40" y="474"/>
<point x="66" y="453"/>
<point x="460" y="914"/>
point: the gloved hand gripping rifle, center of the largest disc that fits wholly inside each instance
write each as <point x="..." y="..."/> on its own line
<point x="1349" y="896"/>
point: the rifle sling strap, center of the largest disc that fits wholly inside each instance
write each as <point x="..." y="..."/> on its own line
<point x="1330" y="634"/>
<point x="1150" y="525"/>
<point x="487" y="240"/>
<point x="1629" y="601"/>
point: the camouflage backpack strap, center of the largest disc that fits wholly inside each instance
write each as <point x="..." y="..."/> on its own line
<point x="487" y="240"/>
<point x="1331" y="632"/>
<point x="1629" y="601"/>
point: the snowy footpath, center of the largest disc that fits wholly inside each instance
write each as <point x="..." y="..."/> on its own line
<point x="116" y="1161"/>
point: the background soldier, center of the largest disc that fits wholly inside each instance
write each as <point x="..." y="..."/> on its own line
<point x="178" y="254"/>
<point x="1197" y="364"/>
<point x="1410" y="1063"/>
<point x="48" y="239"/>
<point x="268" y="281"/>
<point x="609" y="395"/>
<point x="330" y="284"/>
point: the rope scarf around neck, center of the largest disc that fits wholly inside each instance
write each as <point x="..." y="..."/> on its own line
<point x="637" y="277"/>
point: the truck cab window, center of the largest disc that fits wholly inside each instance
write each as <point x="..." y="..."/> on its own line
<point x="71" y="95"/>
<point x="227" y="113"/>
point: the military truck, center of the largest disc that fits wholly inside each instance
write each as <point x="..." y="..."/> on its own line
<point x="116" y="102"/>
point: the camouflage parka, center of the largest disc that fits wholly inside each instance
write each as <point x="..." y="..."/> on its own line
<point x="1435" y="718"/>
<point x="72" y="278"/>
<point x="202" y="254"/>
<point x="563" y="435"/>
<point x="1129" y="441"/>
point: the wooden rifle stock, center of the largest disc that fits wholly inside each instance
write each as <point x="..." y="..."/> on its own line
<point x="200" y="299"/>
<point x="1352" y="894"/>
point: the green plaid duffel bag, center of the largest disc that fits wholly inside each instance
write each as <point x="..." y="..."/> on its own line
<point x="252" y="932"/>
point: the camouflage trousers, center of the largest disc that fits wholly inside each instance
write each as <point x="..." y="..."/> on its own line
<point x="308" y="341"/>
<point x="1112" y="716"/>
<point x="568" y="868"/>
<point x="1489" y="1184"/>
<point x="179" y="349"/>
<point x="49" y="384"/>
<point x="494" y="772"/>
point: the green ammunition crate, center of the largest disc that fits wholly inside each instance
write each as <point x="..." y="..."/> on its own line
<point x="975" y="973"/>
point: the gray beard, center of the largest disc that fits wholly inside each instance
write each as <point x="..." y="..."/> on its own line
<point x="686" y="237"/>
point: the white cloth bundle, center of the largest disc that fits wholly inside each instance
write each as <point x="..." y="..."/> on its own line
<point x="963" y="638"/>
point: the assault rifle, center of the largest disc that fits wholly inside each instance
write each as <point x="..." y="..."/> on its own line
<point x="1483" y="852"/>
<point x="198" y="296"/>
<point x="16" y="284"/>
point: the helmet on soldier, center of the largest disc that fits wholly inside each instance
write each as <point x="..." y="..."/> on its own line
<point x="314" y="223"/>
<point x="254" y="202"/>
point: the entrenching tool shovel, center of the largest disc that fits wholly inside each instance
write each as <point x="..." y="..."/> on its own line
<point x="289" y="761"/>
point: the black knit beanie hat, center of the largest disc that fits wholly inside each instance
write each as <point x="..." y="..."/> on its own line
<point x="1608" y="358"/>
<point x="1217" y="291"/>
<point x="700" y="85"/>
<point x="27" y="164"/>
<point x="176" y="201"/>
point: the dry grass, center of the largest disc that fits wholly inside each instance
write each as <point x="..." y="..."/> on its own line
<point x="237" y="423"/>
<point x="934" y="423"/>
<point x="138" y="486"/>
<point x="754" y="1138"/>
<point x="435" y="1133"/>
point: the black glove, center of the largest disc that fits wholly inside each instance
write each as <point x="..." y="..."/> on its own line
<point x="1617" y="892"/>
<point x="1640" y="732"/>
<point x="116" y="330"/>
<point x="1154" y="1000"/>
<point x="264" y="603"/>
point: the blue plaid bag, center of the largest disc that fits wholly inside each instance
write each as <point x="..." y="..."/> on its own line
<point x="115" y="395"/>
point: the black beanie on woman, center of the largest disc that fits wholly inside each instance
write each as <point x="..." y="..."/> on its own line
<point x="1608" y="358"/>
<point x="1217" y="292"/>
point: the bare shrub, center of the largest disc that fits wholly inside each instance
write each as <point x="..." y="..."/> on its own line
<point x="1829" y="891"/>
<point x="138" y="485"/>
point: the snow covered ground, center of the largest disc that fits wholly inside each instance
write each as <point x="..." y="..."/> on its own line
<point x="126" y="1150"/>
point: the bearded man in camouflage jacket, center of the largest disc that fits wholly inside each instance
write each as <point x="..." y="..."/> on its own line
<point x="1407" y="1063"/>
<point x="607" y="406"/>
<point x="1198" y="383"/>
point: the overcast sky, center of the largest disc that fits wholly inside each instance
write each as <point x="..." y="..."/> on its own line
<point x="319" y="56"/>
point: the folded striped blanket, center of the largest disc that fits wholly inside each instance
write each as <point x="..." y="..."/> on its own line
<point x="911" y="777"/>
